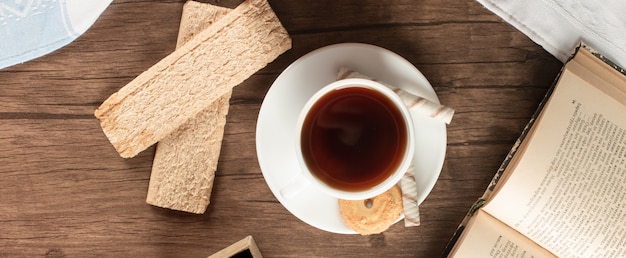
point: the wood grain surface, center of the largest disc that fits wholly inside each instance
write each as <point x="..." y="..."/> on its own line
<point x="65" y="192"/>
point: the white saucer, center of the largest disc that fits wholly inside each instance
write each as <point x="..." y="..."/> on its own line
<point x="275" y="132"/>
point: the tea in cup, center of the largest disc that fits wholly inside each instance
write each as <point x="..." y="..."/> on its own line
<point x="354" y="140"/>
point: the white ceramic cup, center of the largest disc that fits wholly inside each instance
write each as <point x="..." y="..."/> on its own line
<point x="306" y="178"/>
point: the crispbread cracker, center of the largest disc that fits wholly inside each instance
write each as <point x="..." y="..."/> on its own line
<point x="385" y="209"/>
<point x="187" y="81"/>
<point x="185" y="161"/>
<point x="197" y="17"/>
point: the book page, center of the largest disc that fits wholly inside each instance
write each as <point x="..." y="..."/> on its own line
<point x="485" y="236"/>
<point x="568" y="191"/>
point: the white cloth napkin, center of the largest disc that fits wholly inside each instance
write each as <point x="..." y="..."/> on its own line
<point x="32" y="28"/>
<point x="558" y="25"/>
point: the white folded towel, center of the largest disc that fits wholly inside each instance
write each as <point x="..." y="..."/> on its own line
<point x="558" y="25"/>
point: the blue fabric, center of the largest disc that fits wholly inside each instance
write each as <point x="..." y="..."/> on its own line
<point x="30" y="29"/>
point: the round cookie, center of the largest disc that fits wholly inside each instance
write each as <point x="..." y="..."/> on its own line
<point x="374" y="215"/>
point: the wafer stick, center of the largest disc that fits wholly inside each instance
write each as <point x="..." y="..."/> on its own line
<point x="414" y="103"/>
<point x="409" y="198"/>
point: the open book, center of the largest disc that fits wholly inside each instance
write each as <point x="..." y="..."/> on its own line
<point x="562" y="190"/>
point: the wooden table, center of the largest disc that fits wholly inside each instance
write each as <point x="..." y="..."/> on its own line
<point x="64" y="191"/>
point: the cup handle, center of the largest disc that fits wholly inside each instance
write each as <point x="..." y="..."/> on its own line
<point x="294" y="187"/>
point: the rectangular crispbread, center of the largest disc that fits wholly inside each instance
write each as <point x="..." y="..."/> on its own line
<point x="178" y="87"/>
<point x="185" y="161"/>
